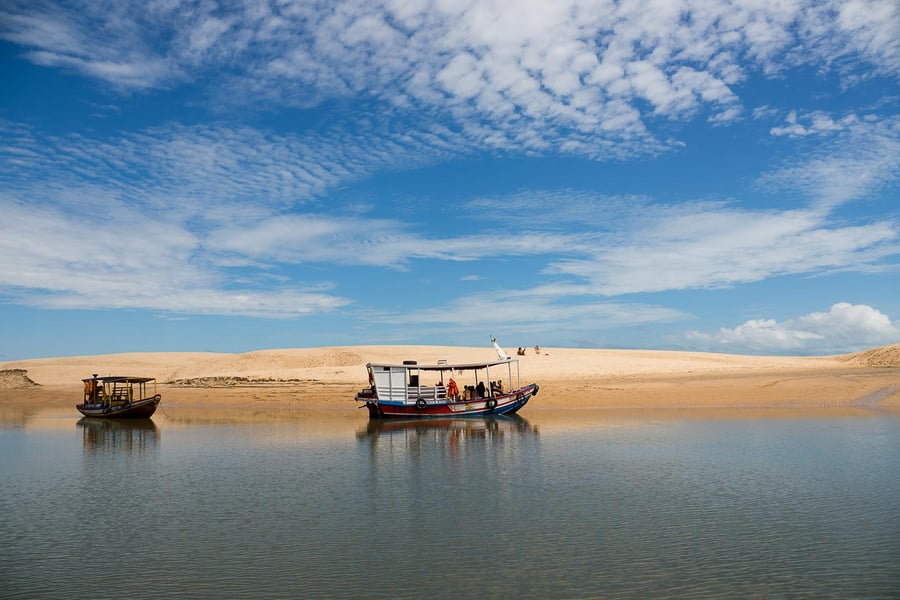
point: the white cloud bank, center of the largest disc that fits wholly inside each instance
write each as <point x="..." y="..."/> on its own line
<point x="583" y="77"/>
<point x="844" y="328"/>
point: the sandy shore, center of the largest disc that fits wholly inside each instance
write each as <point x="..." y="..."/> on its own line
<point x="328" y="378"/>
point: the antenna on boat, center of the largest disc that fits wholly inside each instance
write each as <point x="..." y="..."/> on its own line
<point x="500" y="353"/>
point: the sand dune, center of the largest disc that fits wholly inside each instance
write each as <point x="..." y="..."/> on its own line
<point x="348" y="363"/>
<point x="569" y="377"/>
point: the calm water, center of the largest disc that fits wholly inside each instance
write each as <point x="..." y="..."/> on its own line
<point x="584" y="505"/>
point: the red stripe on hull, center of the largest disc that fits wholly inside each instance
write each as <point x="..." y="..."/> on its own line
<point x="507" y="404"/>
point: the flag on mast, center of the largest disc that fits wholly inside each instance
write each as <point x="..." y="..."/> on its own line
<point x="500" y="353"/>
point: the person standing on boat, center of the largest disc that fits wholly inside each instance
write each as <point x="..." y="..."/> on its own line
<point x="480" y="389"/>
<point x="91" y="390"/>
<point x="452" y="389"/>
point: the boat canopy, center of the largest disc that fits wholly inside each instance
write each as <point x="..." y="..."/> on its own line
<point x="444" y="366"/>
<point x="120" y="379"/>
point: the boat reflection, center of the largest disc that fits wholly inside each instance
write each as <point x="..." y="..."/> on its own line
<point x="456" y="434"/>
<point x="489" y="426"/>
<point x="128" y="435"/>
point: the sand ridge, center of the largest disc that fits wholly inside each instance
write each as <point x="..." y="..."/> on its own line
<point x="15" y="379"/>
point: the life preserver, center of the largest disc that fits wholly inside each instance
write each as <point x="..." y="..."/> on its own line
<point x="492" y="403"/>
<point x="420" y="403"/>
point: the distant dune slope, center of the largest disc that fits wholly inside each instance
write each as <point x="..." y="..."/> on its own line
<point x="885" y="356"/>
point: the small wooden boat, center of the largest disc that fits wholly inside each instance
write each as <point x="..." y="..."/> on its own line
<point x="119" y="397"/>
<point x="399" y="390"/>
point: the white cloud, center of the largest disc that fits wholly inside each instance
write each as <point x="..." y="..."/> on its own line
<point x="643" y="246"/>
<point x="216" y="171"/>
<point x="844" y="328"/>
<point x="183" y="214"/>
<point x="348" y="240"/>
<point x="713" y="245"/>
<point x="870" y="27"/>
<point x="860" y="156"/>
<point x="535" y="311"/>
<point x="112" y="257"/>
<point x="575" y="76"/>
<point x="818" y="123"/>
<point x="102" y="41"/>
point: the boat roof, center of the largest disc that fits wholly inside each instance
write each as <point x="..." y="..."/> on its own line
<point x="445" y="366"/>
<point x="121" y="379"/>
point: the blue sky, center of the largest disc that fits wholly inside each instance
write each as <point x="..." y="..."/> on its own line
<point x="233" y="176"/>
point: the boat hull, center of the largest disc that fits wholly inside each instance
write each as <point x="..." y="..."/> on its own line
<point x="141" y="409"/>
<point x="505" y="404"/>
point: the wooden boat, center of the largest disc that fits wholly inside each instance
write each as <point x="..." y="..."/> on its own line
<point x="119" y="397"/>
<point x="401" y="391"/>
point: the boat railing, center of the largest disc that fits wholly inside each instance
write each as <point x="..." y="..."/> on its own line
<point x="433" y="394"/>
<point x="121" y="395"/>
<point x="410" y="395"/>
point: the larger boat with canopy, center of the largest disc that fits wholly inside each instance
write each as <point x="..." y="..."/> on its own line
<point x="445" y="389"/>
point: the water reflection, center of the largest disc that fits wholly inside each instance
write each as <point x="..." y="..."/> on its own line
<point x="131" y="435"/>
<point x="458" y="447"/>
<point x="471" y="508"/>
<point x="450" y="431"/>
<point x="15" y="417"/>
